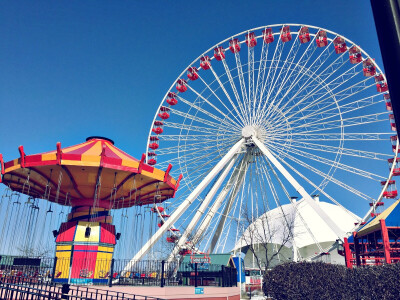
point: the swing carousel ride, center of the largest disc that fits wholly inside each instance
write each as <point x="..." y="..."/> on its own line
<point x="266" y="116"/>
<point x="93" y="178"/>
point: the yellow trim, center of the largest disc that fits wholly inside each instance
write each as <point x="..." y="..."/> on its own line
<point x="90" y="158"/>
<point x="15" y="167"/>
<point x="157" y="173"/>
<point x="51" y="156"/>
<point x="130" y="163"/>
<point x="106" y="249"/>
<point x="63" y="247"/>
<point x="80" y="163"/>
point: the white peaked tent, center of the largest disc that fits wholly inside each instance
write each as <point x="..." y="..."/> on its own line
<point x="300" y="229"/>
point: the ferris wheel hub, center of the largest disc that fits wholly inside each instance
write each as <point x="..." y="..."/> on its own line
<point x="248" y="131"/>
<point x="257" y="131"/>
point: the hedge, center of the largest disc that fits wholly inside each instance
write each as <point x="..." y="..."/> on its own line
<point x="325" y="281"/>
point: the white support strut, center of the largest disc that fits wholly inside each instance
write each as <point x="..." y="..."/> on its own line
<point x="204" y="205"/>
<point x="217" y="203"/>
<point x="331" y="224"/>
<point x="184" y="205"/>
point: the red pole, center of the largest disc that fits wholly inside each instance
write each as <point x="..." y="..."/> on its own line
<point x="385" y="241"/>
<point x="347" y="254"/>
<point x="357" y="249"/>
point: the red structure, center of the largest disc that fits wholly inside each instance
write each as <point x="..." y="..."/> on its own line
<point x="377" y="242"/>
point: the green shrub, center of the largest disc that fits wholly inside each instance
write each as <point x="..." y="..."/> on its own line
<point x="326" y="281"/>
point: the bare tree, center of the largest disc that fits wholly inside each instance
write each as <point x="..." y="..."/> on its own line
<point x="269" y="237"/>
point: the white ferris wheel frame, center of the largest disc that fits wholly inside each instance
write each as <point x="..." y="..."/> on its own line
<point x="228" y="160"/>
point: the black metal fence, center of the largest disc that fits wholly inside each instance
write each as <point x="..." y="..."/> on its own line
<point x="12" y="287"/>
<point x="162" y="273"/>
<point x="117" y="272"/>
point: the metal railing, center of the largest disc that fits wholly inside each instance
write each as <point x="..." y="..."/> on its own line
<point x="88" y="271"/>
<point x="23" y="288"/>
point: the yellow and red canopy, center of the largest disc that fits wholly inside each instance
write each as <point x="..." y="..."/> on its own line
<point x="95" y="169"/>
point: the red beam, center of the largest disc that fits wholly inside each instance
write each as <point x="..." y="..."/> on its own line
<point x="385" y="239"/>
<point x="347" y="254"/>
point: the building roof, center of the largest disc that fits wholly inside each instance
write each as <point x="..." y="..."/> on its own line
<point x="272" y="227"/>
<point x="391" y="215"/>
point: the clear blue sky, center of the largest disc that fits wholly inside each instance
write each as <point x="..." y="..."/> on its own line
<point x="71" y="69"/>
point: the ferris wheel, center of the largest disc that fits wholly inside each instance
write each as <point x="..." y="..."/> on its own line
<point x="265" y="116"/>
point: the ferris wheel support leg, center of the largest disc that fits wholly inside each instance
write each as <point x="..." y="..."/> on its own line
<point x="331" y="224"/>
<point x="229" y="205"/>
<point x="217" y="203"/>
<point x="183" y="239"/>
<point x="185" y="204"/>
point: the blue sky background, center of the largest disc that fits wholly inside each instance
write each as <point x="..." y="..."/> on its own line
<point x="72" y="69"/>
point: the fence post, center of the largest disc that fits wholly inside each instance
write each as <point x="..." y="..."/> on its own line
<point x="223" y="275"/>
<point x="110" y="279"/>
<point x="195" y="274"/>
<point x="162" y="272"/>
<point x="54" y="269"/>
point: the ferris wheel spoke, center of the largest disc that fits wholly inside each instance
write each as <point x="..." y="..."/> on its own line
<point x="260" y="78"/>
<point x="238" y="122"/>
<point x="283" y="154"/>
<point x="283" y="71"/>
<point x="337" y="164"/>
<point x="197" y="160"/>
<point x="235" y="92"/>
<point x="352" y="121"/>
<point x="188" y="128"/>
<point x="331" y="86"/>
<point x="345" y="136"/>
<point x="273" y="67"/>
<point x="222" y="120"/>
<point x="228" y="97"/>
<point x="204" y="144"/>
<point x="216" y="126"/>
<point x="307" y="74"/>
<point x="311" y="110"/>
<point x="337" y="97"/>
<point x="204" y="111"/>
<point x="241" y="78"/>
<point x="250" y="68"/>
<point x="185" y="138"/>
<point x="344" y="151"/>
<point x="312" y="117"/>
<point x="288" y="82"/>
<point x="196" y="154"/>
<point x="345" y="108"/>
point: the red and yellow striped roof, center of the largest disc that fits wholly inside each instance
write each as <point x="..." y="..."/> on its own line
<point x="71" y="174"/>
